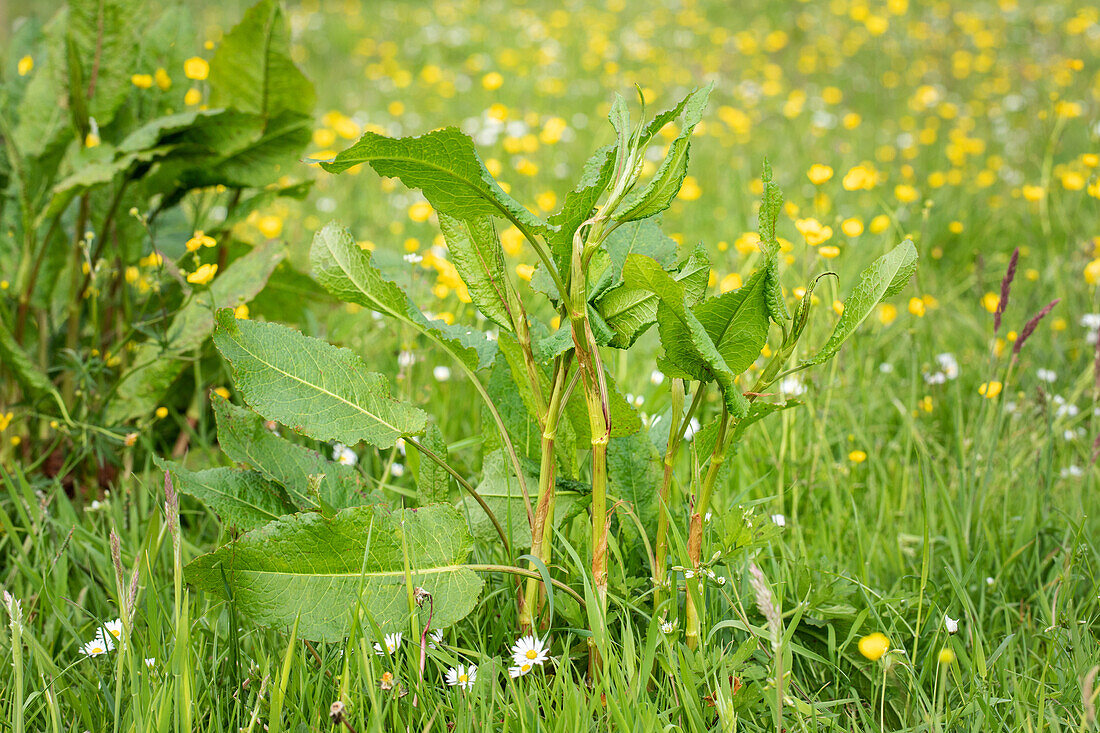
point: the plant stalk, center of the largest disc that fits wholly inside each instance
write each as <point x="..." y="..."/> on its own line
<point x="692" y="613"/>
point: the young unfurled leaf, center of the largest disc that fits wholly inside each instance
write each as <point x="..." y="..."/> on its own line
<point x="317" y="389"/>
<point x="477" y="255"/>
<point x="666" y="182"/>
<point x="244" y="437"/>
<point x="346" y="271"/>
<point x="445" y="166"/>
<point x="323" y="570"/>
<point x="244" y="499"/>
<point x="885" y="277"/>
<point x="252" y="69"/>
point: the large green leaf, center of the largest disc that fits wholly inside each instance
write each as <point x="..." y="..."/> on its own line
<point x="345" y="270"/>
<point x="324" y="570"/>
<point x="477" y="255"/>
<point x="252" y="70"/>
<point x="737" y="322"/>
<point x="629" y="311"/>
<point x="445" y="166"/>
<point x="665" y="184"/>
<point x="244" y="499"/>
<point x="634" y="473"/>
<point x="314" y="387"/>
<point x="104" y="39"/>
<point x="244" y="437"/>
<point x="885" y="277"/>
<point x="690" y="352"/>
<point x="158" y="363"/>
<point x="433" y="483"/>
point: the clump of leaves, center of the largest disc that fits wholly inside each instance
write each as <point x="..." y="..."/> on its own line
<point x="106" y="176"/>
<point x="607" y="274"/>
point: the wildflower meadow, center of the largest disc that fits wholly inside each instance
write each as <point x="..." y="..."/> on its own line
<point x="455" y="365"/>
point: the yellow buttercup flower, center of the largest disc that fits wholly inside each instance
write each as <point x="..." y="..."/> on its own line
<point x="873" y="646"/>
<point x="990" y="301"/>
<point x="916" y="307"/>
<point x="164" y="82"/>
<point x="5" y="420"/>
<point x="990" y="390"/>
<point x="819" y="174"/>
<point x="200" y="239"/>
<point x="852" y="226"/>
<point x="690" y="191"/>
<point x="203" y="275"/>
<point x="192" y="97"/>
<point x="241" y="312"/>
<point x="906" y="193"/>
<point x="1092" y="272"/>
<point x="858" y="178"/>
<point x="420" y="211"/>
<point x="857" y="456"/>
<point x="946" y="655"/>
<point x="142" y="81"/>
<point x="525" y="272"/>
<point x="492" y="81"/>
<point x="887" y="313"/>
<point x="270" y="226"/>
<point x="25" y="65"/>
<point x="196" y="68"/>
<point x="162" y="412"/>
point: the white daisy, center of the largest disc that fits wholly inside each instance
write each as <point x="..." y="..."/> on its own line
<point x="114" y="628"/>
<point x="393" y="643"/>
<point x="435" y="638"/>
<point x="520" y="670"/>
<point x="97" y="647"/>
<point x="344" y="455"/>
<point x="1046" y="375"/>
<point x="529" y="649"/>
<point x="779" y="520"/>
<point x="441" y="373"/>
<point x="950" y="624"/>
<point x="461" y="677"/>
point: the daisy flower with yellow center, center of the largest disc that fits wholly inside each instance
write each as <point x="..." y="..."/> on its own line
<point x="529" y="650"/>
<point x="462" y="677"/>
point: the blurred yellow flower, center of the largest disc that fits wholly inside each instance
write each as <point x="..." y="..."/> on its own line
<point x="203" y="275"/>
<point x="142" y="81"/>
<point x="547" y="200"/>
<point x="879" y="224"/>
<point x="525" y="272"/>
<point x="955" y="227"/>
<point x="192" y="97"/>
<point x="200" y="239"/>
<point x="222" y="392"/>
<point x="873" y="646"/>
<point x="730" y="282"/>
<point x="1033" y="193"/>
<point x="857" y="456"/>
<point x="492" y="81"/>
<point x="859" y="177"/>
<point x="887" y="313"/>
<point x="852" y="226"/>
<point x="162" y="412"/>
<point x="196" y="68"/>
<point x="813" y="231"/>
<point x="990" y="301"/>
<point x="819" y="174"/>
<point x="270" y="226"/>
<point x="5" y="420"/>
<point x="164" y="82"/>
<point x="420" y="211"/>
<point x="1092" y="272"/>
<point x="906" y="193"/>
<point x="25" y="65"/>
<point x="829" y="251"/>
<point x="916" y="307"/>
<point x="690" y="191"/>
<point x="946" y="655"/>
<point x="241" y="312"/>
<point x="989" y="390"/>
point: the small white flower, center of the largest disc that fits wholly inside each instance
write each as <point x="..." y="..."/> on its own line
<point x="520" y="669"/>
<point x="529" y="649"/>
<point x="1091" y="321"/>
<point x="989" y="581"/>
<point x="393" y="643"/>
<point x="948" y="364"/>
<point x="709" y="516"/>
<point x="413" y="258"/>
<point x="150" y="662"/>
<point x="656" y="377"/>
<point x="406" y="359"/>
<point x="461" y="677"/>
<point x="935" y="378"/>
<point x="114" y="628"/>
<point x="1046" y="375"/>
<point x="792" y="387"/>
<point x="689" y="574"/>
<point x="779" y="520"/>
<point x="720" y="580"/>
<point x="97" y="646"/>
<point x="397" y="470"/>
<point x="1073" y="471"/>
<point x="344" y="455"/>
<point x="667" y="627"/>
<point x="442" y="373"/>
<point x="951" y="624"/>
<point x="886" y="367"/>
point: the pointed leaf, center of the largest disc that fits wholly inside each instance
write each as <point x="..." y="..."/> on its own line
<point x="312" y="386"/>
<point x="243" y="499"/>
<point x="476" y="253"/>
<point x="346" y="271"/>
<point x="445" y="166"/>
<point x="737" y="322"/>
<point x="322" y="570"/>
<point x="433" y="483"/>
<point x="244" y="437"/>
<point x="885" y="277"/>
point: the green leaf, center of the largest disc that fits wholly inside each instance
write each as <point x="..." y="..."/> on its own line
<point x="445" y="166"/>
<point x="629" y="311"/>
<point x="689" y="350"/>
<point x="243" y="499"/>
<point x="885" y="277"/>
<point x="634" y="473"/>
<point x="477" y="255"/>
<point x="244" y="437"/>
<point x="737" y="322"/>
<point x="158" y="363"/>
<point x="322" y="570"/>
<point x="500" y="490"/>
<point x="252" y="70"/>
<point x="433" y="483"/>
<point x="105" y="36"/>
<point x="43" y="110"/>
<point x="312" y="386"/>
<point x="665" y="184"/>
<point x="346" y="271"/>
<point x="16" y="362"/>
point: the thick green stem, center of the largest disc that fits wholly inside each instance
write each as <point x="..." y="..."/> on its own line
<point x="692" y="612"/>
<point x="543" y="524"/>
<point x="675" y="434"/>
